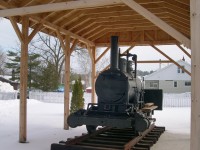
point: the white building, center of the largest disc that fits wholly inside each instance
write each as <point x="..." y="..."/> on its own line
<point x="171" y="79"/>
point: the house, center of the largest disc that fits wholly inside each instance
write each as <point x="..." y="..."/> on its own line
<point x="171" y="79"/>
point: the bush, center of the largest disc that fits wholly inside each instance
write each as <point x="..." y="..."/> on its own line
<point x="77" y="100"/>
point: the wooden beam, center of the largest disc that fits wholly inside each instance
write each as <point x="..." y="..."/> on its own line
<point x="144" y="61"/>
<point x="73" y="45"/>
<point x="158" y="22"/>
<point x="105" y="51"/>
<point x="153" y="61"/>
<point x="62" y="31"/>
<point x="16" y="28"/>
<point x="184" y="50"/>
<point x="93" y="58"/>
<point x="3" y="4"/>
<point x="67" y="81"/>
<point x="195" y="103"/>
<point x="34" y="32"/>
<point x="53" y="27"/>
<point x="66" y="48"/>
<point x="128" y="49"/>
<point x="61" y="41"/>
<point x="171" y="60"/>
<point x="56" y="7"/>
<point x="23" y="81"/>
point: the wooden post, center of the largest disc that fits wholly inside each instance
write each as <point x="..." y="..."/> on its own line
<point x="67" y="81"/>
<point x="23" y="80"/>
<point x="24" y="38"/>
<point x="93" y="75"/>
<point x="195" y="44"/>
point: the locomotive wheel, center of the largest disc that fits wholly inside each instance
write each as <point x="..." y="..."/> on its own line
<point x="91" y="128"/>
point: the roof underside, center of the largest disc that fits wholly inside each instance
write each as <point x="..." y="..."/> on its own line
<point x="97" y="24"/>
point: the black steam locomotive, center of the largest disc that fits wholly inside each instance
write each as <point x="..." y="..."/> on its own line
<point x="121" y="97"/>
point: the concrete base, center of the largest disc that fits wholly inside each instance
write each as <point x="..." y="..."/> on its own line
<point x="172" y="141"/>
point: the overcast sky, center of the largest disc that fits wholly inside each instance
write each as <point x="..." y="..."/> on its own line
<point x="8" y="40"/>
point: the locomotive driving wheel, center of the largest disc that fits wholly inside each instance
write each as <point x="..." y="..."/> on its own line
<point x="91" y="128"/>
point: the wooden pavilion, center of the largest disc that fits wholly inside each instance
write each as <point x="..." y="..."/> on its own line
<point x="90" y="23"/>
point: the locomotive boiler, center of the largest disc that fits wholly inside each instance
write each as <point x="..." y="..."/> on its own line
<point x="121" y="97"/>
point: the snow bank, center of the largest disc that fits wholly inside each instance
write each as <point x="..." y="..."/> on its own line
<point x="7" y="92"/>
<point x="6" y="87"/>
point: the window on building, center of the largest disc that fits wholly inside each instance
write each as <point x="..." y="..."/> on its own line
<point x="175" y="84"/>
<point x="153" y="84"/>
<point x="187" y="83"/>
<point x="183" y="70"/>
<point x="179" y="70"/>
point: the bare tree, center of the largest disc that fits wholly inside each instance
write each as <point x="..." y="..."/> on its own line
<point x="85" y="64"/>
<point x="50" y="51"/>
<point x="104" y="61"/>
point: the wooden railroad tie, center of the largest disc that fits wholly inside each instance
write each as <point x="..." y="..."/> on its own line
<point x="112" y="138"/>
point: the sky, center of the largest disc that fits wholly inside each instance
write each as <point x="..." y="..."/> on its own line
<point x="9" y="40"/>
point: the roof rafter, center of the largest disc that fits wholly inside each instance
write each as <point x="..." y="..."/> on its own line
<point x="157" y="49"/>
<point x="56" y="7"/>
<point x="52" y="26"/>
<point x="55" y="28"/>
<point x="157" y="21"/>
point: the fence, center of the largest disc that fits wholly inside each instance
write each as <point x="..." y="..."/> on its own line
<point x="169" y="99"/>
<point x="8" y="95"/>
<point x="50" y="97"/>
<point x="177" y="100"/>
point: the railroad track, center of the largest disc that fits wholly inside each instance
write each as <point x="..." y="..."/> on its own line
<point x="112" y="139"/>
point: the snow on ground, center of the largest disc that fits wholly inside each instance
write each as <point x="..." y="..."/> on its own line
<point x="6" y="87"/>
<point x="45" y="124"/>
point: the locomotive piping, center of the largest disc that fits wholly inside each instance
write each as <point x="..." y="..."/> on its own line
<point x="114" y="54"/>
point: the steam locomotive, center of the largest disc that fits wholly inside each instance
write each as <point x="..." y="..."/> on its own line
<point x="121" y="97"/>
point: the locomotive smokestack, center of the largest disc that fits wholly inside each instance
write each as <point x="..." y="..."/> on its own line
<point x="114" y="54"/>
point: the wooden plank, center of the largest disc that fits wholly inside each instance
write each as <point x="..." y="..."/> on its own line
<point x="184" y="50"/>
<point x="195" y="103"/>
<point x="16" y="28"/>
<point x="61" y="41"/>
<point x="73" y="45"/>
<point x="3" y="4"/>
<point x="128" y="49"/>
<point x="67" y="81"/>
<point x="148" y="104"/>
<point x="158" y="22"/>
<point x="171" y="60"/>
<point x="23" y="81"/>
<point x="93" y="97"/>
<point x="149" y="108"/>
<point x="62" y="31"/>
<point x="66" y="48"/>
<point x="153" y="61"/>
<point x="56" y="7"/>
<point x="53" y="27"/>
<point x="34" y="32"/>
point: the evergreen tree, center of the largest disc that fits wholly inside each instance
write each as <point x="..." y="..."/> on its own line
<point x="14" y="64"/>
<point x="33" y="64"/>
<point x="77" y="100"/>
<point x="49" y="79"/>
